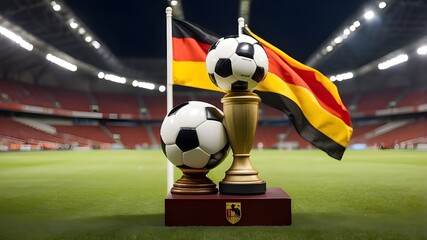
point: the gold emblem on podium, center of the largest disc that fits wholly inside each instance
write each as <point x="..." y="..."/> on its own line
<point x="233" y="212"/>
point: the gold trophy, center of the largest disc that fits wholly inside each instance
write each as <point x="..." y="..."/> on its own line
<point x="237" y="65"/>
<point x="240" y="121"/>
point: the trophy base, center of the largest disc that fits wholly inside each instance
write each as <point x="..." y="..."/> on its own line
<point x="194" y="181"/>
<point x="242" y="189"/>
<point x="273" y="208"/>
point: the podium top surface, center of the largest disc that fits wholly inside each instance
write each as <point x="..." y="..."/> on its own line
<point x="271" y="193"/>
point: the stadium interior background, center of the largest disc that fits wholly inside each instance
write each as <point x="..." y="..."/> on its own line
<point x="62" y="87"/>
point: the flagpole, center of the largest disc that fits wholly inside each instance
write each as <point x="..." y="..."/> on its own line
<point x="241" y="24"/>
<point x="169" y="88"/>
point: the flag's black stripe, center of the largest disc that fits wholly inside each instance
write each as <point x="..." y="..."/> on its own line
<point x="183" y="29"/>
<point x="301" y="124"/>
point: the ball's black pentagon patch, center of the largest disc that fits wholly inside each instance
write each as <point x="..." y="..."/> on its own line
<point x="258" y="75"/>
<point x="245" y="50"/>
<point x="223" y="67"/>
<point x="176" y="108"/>
<point x="239" y="85"/>
<point x="213" y="114"/>
<point x="187" y="139"/>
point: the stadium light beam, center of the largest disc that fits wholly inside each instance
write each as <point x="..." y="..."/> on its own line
<point x="394" y="61"/>
<point x="61" y="62"/>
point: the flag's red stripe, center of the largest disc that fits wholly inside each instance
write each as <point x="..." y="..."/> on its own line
<point x="306" y="79"/>
<point x="188" y="49"/>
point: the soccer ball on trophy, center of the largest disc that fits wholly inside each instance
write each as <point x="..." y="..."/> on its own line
<point x="237" y="63"/>
<point x="194" y="139"/>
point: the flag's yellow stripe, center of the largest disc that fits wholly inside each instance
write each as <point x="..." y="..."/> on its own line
<point x="192" y="74"/>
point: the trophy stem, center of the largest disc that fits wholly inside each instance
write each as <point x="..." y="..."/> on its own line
<point x="240" y="121"/>
<point x="194" y="181"/>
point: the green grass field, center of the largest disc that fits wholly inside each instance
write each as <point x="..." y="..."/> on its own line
<point x="120" y="195"/>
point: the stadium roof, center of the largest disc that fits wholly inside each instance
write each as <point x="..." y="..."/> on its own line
<point x="80" y="37"/>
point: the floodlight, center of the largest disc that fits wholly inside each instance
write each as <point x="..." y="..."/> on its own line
<point x="61" y="62"/>
<point x="101" y="75"/>
<point x="393" y="61"/>
<point x="382" y="5"/>
<point x="16" y="38"/>
<point x="329" y="48"/>
<point x="369" y="15"/>
<point x="356" y="24"/>
<point x="96" y="44"/>
<point x="162" y="88"/>
<point x="338" y="40"/>
<point x="82" y="31"/>
<point x="88" y="38"/>
<point x="114" y="78"/>
<point x="422" y="50"/>
<point x="346" y="32"/>
<point x="55" y="6"/>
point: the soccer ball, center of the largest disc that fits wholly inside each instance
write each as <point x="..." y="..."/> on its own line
<point x="237" y="63"/>
<point x="193" y="136"/>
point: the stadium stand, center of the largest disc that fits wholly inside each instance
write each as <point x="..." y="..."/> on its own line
<point x="71" y="99"/>
<point x="156" y="106"/>
<point x="94" y="133"/>
<point x="414" y="97"/>
<point x="146" y="135"/>
<point x="372" y="101"/>
<point x="131" y="136"/>
<point x="117" y="103"/>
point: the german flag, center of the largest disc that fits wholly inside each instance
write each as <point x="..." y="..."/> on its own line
<point x="191" y="44"/>
<point x="310" y="99"/>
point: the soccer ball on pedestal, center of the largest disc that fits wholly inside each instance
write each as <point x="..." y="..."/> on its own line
<point x="193" y="136"/>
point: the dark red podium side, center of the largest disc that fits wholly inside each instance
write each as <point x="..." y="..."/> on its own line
<point x="271" y="209"/>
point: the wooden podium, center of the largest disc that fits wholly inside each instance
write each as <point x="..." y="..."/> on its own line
<point x="273" y="208"/>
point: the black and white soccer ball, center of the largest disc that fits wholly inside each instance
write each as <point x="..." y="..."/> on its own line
<point x="237" y="63"/>
<point x="193" y="136"/>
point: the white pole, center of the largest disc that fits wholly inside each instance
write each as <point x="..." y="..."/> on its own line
<point x="169" y="87"/>
<point x="241" y="24"/>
